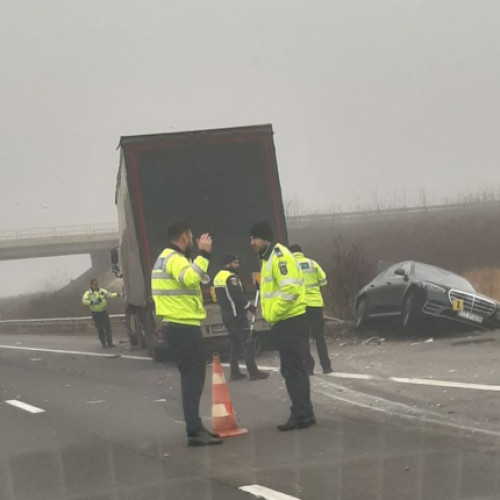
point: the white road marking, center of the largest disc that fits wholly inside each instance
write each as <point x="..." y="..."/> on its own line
<point x="446" y="383"/>
<point x="393" y="408"/>
<point x="418" y="381"/>
<point x="94" y="401"/>
<point x="358" y="376"/>
<point x="160" y="400"/>
<point x="75" y="353"/>
<point x="266" y="493"/>
<point x="261" y="367"/>
<point x="24" y="406"/>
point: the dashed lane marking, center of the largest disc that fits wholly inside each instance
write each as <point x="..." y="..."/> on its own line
<point x="24" y="406"/>
<point x="267" y="493"/>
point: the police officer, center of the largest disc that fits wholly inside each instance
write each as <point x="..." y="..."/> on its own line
<point x="175" y="285"/>
<point x="97" y="300"/>
<point x="234" y="307"/>
<point x="314" y="279"/>
<point x="283" y="305"/>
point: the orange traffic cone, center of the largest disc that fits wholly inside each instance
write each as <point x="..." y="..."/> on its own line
<point x="223" y="421"/>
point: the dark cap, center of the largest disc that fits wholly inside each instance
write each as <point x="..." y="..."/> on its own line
<point x="228" y="258"/>
<point x="295" y="248"/>
<point x="262" y="230"/>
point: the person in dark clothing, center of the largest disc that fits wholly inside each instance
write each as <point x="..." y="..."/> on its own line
<point x="234" y="307"/>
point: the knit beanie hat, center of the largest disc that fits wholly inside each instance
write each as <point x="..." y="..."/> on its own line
<point x="262" y="230"/>
<point x="228" y="258"/>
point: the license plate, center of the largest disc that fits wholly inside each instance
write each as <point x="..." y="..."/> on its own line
<point x="470" y="316"/>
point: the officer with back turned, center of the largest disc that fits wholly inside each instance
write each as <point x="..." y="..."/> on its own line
<point x="175" y="285"/>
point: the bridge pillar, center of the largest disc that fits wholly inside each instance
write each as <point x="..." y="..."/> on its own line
<point x="101" y="261"/>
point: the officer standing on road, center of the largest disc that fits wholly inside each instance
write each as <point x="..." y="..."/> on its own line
<point x="284" y="306"/>
<point x="314" y="279"/>
<point x="234" y="307"/>
<point x="97" y="300"/>
<point x="175" y="285"/>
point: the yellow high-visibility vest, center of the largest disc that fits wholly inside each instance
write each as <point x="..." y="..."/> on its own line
<point x="97" y="300"/>
<point x="282" y="291"/>
<point x="175" y="286"/>
<point x="314" y="279"/>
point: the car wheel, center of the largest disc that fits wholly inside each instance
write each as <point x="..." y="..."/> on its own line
<point x="360" y="318"/>
<point x="412" y="312"/>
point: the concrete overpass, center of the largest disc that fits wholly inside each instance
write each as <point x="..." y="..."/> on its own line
<point x="99" y="239"/>
<point x="95" y="240"/>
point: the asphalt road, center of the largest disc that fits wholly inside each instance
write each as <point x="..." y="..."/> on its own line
<point x="111" y="426"/>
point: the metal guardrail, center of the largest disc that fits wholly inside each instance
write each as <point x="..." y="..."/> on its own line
<point x="48" y="321"/>
<point x="50" y="232"/>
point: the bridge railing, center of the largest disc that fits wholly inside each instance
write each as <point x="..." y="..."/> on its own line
<point x="50" y="232"/>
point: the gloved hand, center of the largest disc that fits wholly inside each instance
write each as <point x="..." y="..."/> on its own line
<point x="252" y="309"/>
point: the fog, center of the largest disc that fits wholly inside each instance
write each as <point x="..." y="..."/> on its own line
<point x="370" y="100"/>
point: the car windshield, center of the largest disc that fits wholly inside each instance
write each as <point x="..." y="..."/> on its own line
<point x="442" y="277"/>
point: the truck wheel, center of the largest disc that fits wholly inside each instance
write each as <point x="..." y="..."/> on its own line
<point x="258" y="344"/>
<point x="131" y="328"/>
<point x="141" y="336"/>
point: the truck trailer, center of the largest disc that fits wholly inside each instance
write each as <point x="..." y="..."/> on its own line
<point x="219" y="181"/>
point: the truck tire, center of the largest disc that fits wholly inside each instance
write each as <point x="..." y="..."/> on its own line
<point x="131" y="327"/>
<point x="258" y="344"/>
<point x="141" y="334"/>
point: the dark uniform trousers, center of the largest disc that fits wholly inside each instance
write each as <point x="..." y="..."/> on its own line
<point x="186" y="345"/>
<point x="289" y="338"/>
<point x="103" y="325"/>
<point x="316" y="325"/>
<point x="239" y="338"/>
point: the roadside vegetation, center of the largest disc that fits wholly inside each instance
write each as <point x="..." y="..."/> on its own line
<point x="353" y="248"/>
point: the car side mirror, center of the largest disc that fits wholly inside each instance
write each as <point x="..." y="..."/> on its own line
<point x="115" y="263"/>
<point x="114" y="256"/>
<point x="401" y="272"/>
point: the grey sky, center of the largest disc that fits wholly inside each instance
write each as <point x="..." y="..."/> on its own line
<point x="367" y="98"/>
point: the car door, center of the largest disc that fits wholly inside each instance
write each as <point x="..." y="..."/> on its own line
<point x="377" y="292"/>
<point x="394" y="288"/>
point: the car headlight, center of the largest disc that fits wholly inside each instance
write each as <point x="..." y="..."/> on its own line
<point x="434" y="288"/>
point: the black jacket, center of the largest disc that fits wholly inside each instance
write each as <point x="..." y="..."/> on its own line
<point x="230" y="296"/>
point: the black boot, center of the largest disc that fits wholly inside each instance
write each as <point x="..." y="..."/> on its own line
<point x="295" y="423"/>
<point x="203" y="438"/>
